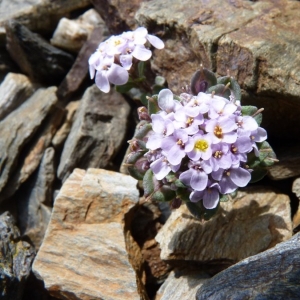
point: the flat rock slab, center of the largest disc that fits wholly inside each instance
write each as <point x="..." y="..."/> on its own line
<point x="83" y="255"/>
<point x="97" y="134"/>
<point x="257" y="41"/>
<point x="19" y="128"/>
<point x="273" y="274"/>
<point x="181" y="285"/>
<point x="254" y="221"/>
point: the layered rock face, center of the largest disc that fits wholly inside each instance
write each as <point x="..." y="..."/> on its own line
<point x="73" y="224"/>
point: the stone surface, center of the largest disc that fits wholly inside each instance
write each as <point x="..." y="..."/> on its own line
<point x="288" y="165"/>
<point x="22" y="127"/>
<point x="71" y="34"/>
<point x="7" y="65"/>
<point x="83" y="255"/>
<point x="181" y="285"/>
<point x="62" y="133"/>
<point x="37" y="15"/>
<point x="273" y="274"/>
<point x="14" y="90"/>
<point x="118" y="14"/>
<point x="79" y="71"/>
<point x="34" y="208"/>
<point x="257" y="41"/>
<point x="15" y="259"/>
<point x="254" y="221"/>
<point x="97" y="133"/>
<point x="48" y="65"/>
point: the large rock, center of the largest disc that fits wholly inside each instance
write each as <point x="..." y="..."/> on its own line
<point x="18" y="135"/>
<point x="34" y="207"/>
<point x="273" y="274"/>
<point x="256" y="220"/>
<point x="48" y="65"/>
<point x="83" y="255"/>
<point x="97" y="133"/>
<point x="14" y="90"/>
<point x="257" y="41"/>
<point x="15" y="260"/>
<point x="38" y="15"/>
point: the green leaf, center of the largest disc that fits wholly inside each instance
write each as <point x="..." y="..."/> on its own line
<point x="148" y="183"/>
<point x="220" y="90"/>
<point x="267" y="155"/>
<point x="144" y="100"/>
<point x="159" y="80"/>
<point x="133" y="164"/>
<point x="125" y="87"/>
<point x="224" y="198"/>
<point x="200" y="212"/>
<point x="249" y="110"/>
<point x="141" y="68"/>
<point x="142" y="129"/>
<point x="164" y="194"/>
<point x="202" y="80"/>
<point x="153" y="105"/>
<point x="258" y="174"/>
<point x="234" y="87"/>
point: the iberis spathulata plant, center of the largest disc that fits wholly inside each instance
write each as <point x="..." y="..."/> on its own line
<point x="199" y="147"/>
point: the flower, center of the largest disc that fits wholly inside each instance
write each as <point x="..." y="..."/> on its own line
<point x="114" y="57"/>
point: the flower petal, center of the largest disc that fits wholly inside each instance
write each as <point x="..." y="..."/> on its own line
<point x="199" y="181"/>
<point x="117" y="75"/>
<point x="126" y="61"/>
<point x="240" y="176"/>
<point x="211" y="198"/>
<point x="102" y="81"/>
<point x="141" y="53"/>
<point x="155" y="41"/>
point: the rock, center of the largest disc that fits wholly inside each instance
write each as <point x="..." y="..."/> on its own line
<point x="70" y="35"/>
<point x="181" y="285"/>
<point x="34" y="208"/>
<point x="288" y="165"/>
<point x="62" y="133"/>
<point x="296" y="191"/>
<point x="118" y="15"/>
<point x="296" y="187"/>
<point x="48" y="65"/>
<point x="97" y="133"/>
<point x="256" y="41"/>
<point x="15" y="260"/>
<point x="7" y="65"/>
<point x="14" y="90"/>
<point x="37" y="15"/>
<point x="84" y="245"/>
<point x="20" y="140"/>
<point x="79" y="71"/>
<point x="273" y="274"/>
<point x="256" y="220"/>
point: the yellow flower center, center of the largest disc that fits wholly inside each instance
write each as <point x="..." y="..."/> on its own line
<point x="201" y="145"/>
<point x="218" y="154"/>
<point x="189" y="121"/>
<point x="117" y="42"/>
<point x="218" y="132"/>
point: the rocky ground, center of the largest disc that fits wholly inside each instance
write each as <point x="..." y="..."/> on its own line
<point x="73" y="224"/>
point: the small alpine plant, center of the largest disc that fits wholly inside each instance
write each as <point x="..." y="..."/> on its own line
<point x="113" y="59"/>
<point x="199" y="147"/>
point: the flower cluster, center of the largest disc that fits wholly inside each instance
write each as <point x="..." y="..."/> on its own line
<point x="114" y="57"/>
<point x="204" y="139"/>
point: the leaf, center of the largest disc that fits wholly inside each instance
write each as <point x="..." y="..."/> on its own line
<point x="164" y="194"/>
<point x="153" y="105"/>
<point x="234" y="87"/>
<point x="267" y="155"/>
<point x="249" y="110"/>
<point x="125" y="87"/>
<point x="258" y="174"/>
<point x="220" y="90"/>
<point x="142" y="129"/>
<point x="141" y="69"/>
<point x="159" y="80"/>
<point x="148" y="183"/>
<point x="135" y="165"/>
<point x="200" y="212"/>
<point x="202" y="80"/>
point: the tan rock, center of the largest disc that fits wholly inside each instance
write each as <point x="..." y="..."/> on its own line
<point x="14" y="90"/>
<point x="71" y="34"/>
<point x="83" y="255"/>
<point x="256" y="220"/>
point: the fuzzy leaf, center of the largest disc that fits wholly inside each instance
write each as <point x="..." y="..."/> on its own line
<point x="267" y="155"/>
<point x="148" y="183"/>
<point x="234" y="87"/>
<point x="164" y="194"/>
<point x="220" y="90"/>
<point x="141" y="69"/>
<point x="125" y="87"/>
<point x="200" y="212"/>
<point x="142" y="129"/>
<point x="258" y="174"/>
<point x="153" y="105"/>
<point x="202" y="80"/>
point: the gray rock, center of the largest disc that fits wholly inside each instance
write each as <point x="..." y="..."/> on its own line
<point x="273" y="274"/>
<point x="256" y="41"/>
<point x="7" y="65"/>
<point x="97" y="133"/>
<point x="37" y="15"/>
<point x="15" y="260"/>
<point x="20" y="127"/>
<point x="48" y="65"/>
<point x="34" y="209"/>
<point x="14" y="90"/>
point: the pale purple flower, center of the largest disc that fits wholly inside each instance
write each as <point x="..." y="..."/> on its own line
<point x="202" y="102"/>
<point x="166" y="101"/>
<point x="246" y="124"/>
<point x="161" y="128"/>
<point x="108" y="72"/>
<point x="258" y="136"/>
<point x="222" y="129"/>
<point x="200" y="147"/>
<point x="174" y="146"/>
<point x="197" y="175"/>
<point x="239" y="149"/>
<point x="221" y="157"/>
<point x="162" y="167"/>
<point x="232" y="178"/>
<point x="220" y="106"/>
<point x="210" y="195"/>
